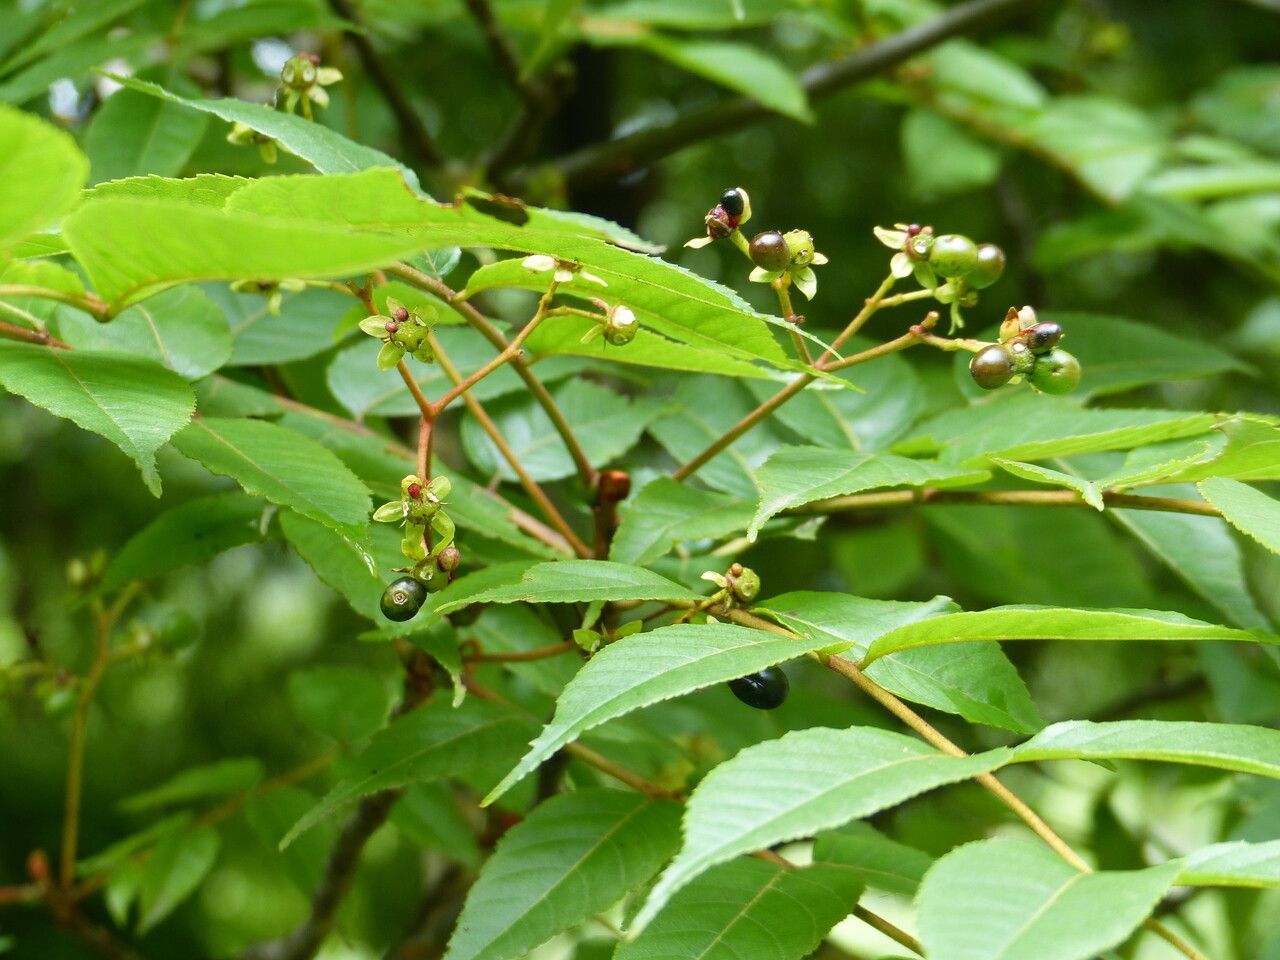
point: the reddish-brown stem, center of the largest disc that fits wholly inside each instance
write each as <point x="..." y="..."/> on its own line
<point x="1026" y="498"/>
<point x="11" y="331"/>
<point x="424" y="405"/>
<point x="531" y="487"/>
<point x="523" y="656"/>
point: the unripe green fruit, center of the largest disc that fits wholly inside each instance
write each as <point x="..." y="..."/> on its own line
<point x="1044" y="336"/>
<point x="769" y="251"/>
<point x="403" y="598"/>
<point x="989" y="266"/>
<point x="800" y="243"/>
<point x="746" y="585"/>
<point x="953" y="255"/>
<point x="764" y="690"/>
<point x="1056" y="372"/>
<point x="1024" y="361"/>
<point x="992" y="367"/>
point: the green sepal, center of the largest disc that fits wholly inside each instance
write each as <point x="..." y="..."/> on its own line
<point x="390" y="512"/>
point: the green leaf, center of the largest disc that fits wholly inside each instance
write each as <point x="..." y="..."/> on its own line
<point x="133" y="135"/>
<point x="749" y="908"/>
<point x="174" y="870"/>
<point x="647" y="668"/>
<point x="606" y="424"/>
<point x="181" y="329"/>
<point x="358" y="568"/>
<point x="577" y="581"/>
<point x="1024" y="426"/>
<point x="944" y="159"/>
<point x="431" y="743"/>
<point x="665" y="513"/>
<point x="281" y="465"/>
<point x="798" y="785"/>
<point x="1050" y="623"/>
<point x="325" y="149"/>
<point x="133" y="402"/>
<point x="1110" y="145"/>
<point x="1237" y="864"/>
<point x="1252" y="452"/>
<point x="1250" y="511"/>
<point x="79" y="22"/>
<point x="575" y="856"/>
<point x="563" y="337"/>
<point x="304" y="328"/>
<point x="345" y="703"/>
<point x="976" y="681"/>
<point x="737" y="66"/>
<point x="198" y="783"/>
<point x="881" y="862"/>
<point x="188" y="534"/>
<point x="42" y="170"/>
<point x="1047" y="909"/>
<point x="795" y="476"/>
<point x="1224" y="746"/>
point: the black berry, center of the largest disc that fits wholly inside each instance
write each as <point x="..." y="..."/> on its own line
<point x="403" y="598"/>
<point x="769" y="251"/>
<point x="764" y="690"/>
<point x="734" y="201"/>
<point x="992" y="367"/>
<point x="1043" y="336"/>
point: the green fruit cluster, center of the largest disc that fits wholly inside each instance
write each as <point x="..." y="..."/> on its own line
<point x="1032" y="353"/>
<point x="956" y="257"/>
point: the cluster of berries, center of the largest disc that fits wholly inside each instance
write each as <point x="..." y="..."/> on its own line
<point x="401" y="331"/>
<point x="421" y="505"/>
<point x="1028" y="348"/>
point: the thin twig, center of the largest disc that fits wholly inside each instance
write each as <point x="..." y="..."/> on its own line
<point x="415" y="132"/>
<point x="523" y="656"/>
<point x="531" y="487"/>
<point x="1026" y="498"/>
<point x="607" y="161"/>
<point x="10" y="331"/>
<point x="537" y="389"/>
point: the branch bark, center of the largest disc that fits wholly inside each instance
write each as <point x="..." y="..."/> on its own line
<point x="606" y="161"/>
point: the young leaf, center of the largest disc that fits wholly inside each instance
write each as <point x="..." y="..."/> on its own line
<point x="431" y="743"/>
<point x="181" y="329"/>
<point x="1250" y="511"/>
<point x="176" y="867"/>
<point x="795" y="476"/>
<point x="1224" y="746"/>
<point x="1047" y="910"/>
<point x="42" y="170"/>
<point x="187" y="534"/>
<point x="749" y="908"/>
<point x="133" y="402"/>
<point x="1048" y="623"/>
<point x="798" y="785"/>
<point x="281" y="465"/>
<point x="576" y="855"/>
<point x="880" y="862"/>
<point x="198" y="783"/>
<point x="665" y="513"/>
<point x="577" y="581"/>
<point x="647" y="668"/>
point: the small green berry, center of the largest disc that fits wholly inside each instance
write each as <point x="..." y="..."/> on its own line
<point x="1024" y="361"/>
<point x="1044" y="336"/>
<point x="403" y="598"/>
<point x="992" y="367"/>
<point x="989" y="267"/>
<point x="765" y="690"/>
<point x="953" y="255"/>
<point x="800" y="243"/>
<point x="769" y="251"/>
<point x="620" y="326"/>
<point x="1056" y="372"/>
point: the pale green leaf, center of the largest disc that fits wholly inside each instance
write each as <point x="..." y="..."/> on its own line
<point x="187" y="534"/>
<point x="795" y="476"/>
<point x="1051" y="623"/>
<point x="749" y="908"/>
<point x="42" y="170"/>
<point x="881" y="862"/>
<point x="133" y="402"/>
<point x="1252" y="452"/>
<point x="942" y="158"/>
<point x="798" y="785"/>
<point x="605" y="423"/>
<point x="198" y="783"/>
<point x="1235" y="864"/>
<point x="280" y="464"/>
<point x="181" y="329"/>
<point x="647" y="668"/>
<point x="1250" y="511"/>
<point x="577" y="581"/>
<point x="305" y="326"/>
<point x="133" y="135"/>
<point x="1223" y="746"/>
<point x="1110" y="145"/>
<point x="665" y="513"/>
<point x="431" y="743"/>
<point x="1047" y="910"/>
<point x="574" y="856"/>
